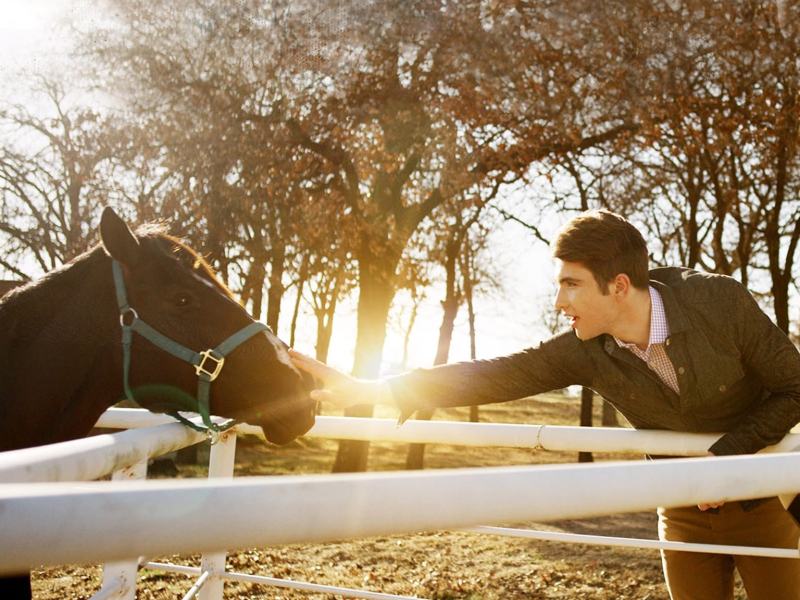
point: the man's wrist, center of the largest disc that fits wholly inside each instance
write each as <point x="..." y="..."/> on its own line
<point x="374" y="391"/>
<point x="383" y="393"/>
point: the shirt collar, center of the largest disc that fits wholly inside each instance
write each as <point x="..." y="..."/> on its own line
<point x="674" y="314"/>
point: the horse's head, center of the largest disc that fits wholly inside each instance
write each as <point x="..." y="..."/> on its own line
<point x="174" y="291"/>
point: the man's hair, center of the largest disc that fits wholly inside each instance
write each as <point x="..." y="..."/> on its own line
<point x="606" y="244"/>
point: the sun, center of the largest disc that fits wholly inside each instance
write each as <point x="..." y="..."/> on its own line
<point x="31" y="15"/>
<point x="28" y="36"/>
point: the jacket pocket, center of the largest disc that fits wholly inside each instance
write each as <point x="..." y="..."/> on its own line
<point x="728" y="401"/>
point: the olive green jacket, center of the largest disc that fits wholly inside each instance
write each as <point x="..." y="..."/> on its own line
<point x="737" y="372"/>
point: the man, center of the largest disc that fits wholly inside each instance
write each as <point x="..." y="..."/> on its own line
<point x="671" y="348"/>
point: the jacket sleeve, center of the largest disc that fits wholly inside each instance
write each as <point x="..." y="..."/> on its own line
<point x="766" y="353"/>
<point x="554" y="364"/>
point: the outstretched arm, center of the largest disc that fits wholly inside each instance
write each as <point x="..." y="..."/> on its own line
<point x="553" y="364"/>
<point x="339" y="389"/>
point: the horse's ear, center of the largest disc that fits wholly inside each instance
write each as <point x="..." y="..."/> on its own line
<point x="118" y="240"/>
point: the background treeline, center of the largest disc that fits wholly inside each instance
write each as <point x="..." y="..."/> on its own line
<point x="361" y="148"/>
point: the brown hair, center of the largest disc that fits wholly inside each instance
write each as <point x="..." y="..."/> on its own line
<point x="607" y="244"/>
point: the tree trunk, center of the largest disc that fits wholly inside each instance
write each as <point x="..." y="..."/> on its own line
<point x="325" y="318"/>
<point x="407" y="338"/>
<point x="693" y="198"/>
<point x="301" y="282"/>
<point x="610" y="418"/>
<point x="781" y="277"/>
<point x="275" y="293"/>
<point x="415" y="457"/>
<point x="325" y="331"/>
<point x="587" y="395"/>
<point x="255" y="281"/>
<point x="296" y="313"/>
<point x="466" y="273"/>
<point x="780" y="296"/>
<point x="416" y="452"/>
<point x="374" y="300"/>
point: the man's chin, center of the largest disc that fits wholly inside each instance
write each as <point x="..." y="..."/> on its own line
<point x="584" y="335"/>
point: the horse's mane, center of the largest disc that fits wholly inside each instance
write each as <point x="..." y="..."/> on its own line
<point x="193" y="260"/>
<point x="41" y="295"/>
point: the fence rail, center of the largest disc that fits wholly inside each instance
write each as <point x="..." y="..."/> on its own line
<point x="545" y="437"/>
<point x="42" y="521"/>
<point x="152" y="435"/>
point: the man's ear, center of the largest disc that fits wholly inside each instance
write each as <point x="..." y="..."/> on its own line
<point x="118" y="240"/>
<point x="621" y="285"/>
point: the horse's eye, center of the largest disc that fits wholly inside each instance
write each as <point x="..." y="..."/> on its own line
<point x="182" y="300"/>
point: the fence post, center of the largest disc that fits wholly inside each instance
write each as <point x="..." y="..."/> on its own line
<point x="125" y="571"/>
<point x="220" y="464"/>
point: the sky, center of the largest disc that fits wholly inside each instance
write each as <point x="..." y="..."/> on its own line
<point x="27" y="37"/>
<point x="33" y="40"/>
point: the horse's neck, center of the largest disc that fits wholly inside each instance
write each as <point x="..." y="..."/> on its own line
<point x="53" y="338"/>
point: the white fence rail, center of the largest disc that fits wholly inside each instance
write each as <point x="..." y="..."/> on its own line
<point x="153" y="435"/>
<point x="96" y="456"/>
<point x="546" y="437"/>
<point x="43" y="521"/>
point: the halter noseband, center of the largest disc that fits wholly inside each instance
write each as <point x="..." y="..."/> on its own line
<point x="207" y="364"/>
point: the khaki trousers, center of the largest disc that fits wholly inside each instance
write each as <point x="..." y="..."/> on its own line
<point x="700" y="576"/>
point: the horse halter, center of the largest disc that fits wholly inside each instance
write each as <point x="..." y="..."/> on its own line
<point x="207" y="364"/>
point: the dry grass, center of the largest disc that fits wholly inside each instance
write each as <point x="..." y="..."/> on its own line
<point x="441" y="565"/>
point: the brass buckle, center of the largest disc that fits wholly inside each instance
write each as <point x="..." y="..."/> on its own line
<point x="213" y="436"/>
<point x="201" y="368"/>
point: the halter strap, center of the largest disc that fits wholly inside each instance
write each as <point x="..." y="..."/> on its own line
<point x="208" y="363"/>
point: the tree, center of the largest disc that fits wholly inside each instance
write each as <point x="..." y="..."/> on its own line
<point x="391" y="143"/>
<point x="452" y="225"/>
<point x="330" y="269"/>
<point x="50" y="188"/>
<point x="204" y="85"/>
<point x="720" y="152"/>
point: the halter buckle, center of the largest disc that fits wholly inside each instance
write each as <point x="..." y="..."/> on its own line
<point x="207" y="355"/>
<point x="213" y="436"/>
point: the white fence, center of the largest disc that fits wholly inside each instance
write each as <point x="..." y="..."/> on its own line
<point x="41" y="521"/>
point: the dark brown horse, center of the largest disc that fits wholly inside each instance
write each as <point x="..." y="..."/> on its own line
<point x="61" y="357"/>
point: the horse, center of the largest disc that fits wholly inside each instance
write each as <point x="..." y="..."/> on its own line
<point x="80" y="339"/>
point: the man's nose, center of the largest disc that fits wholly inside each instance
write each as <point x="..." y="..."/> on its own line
<point x="558" y="303"/>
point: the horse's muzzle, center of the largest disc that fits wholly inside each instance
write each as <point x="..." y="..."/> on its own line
<point x="289" y="419"/>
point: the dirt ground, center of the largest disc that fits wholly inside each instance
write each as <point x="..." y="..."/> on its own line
<point x="442" y="565"/>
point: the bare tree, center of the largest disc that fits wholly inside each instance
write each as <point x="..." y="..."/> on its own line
<point x="49" y="187"/>
<point x="459" y="241"/>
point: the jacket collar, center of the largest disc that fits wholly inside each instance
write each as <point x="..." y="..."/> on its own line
<point x="675" y="315"/>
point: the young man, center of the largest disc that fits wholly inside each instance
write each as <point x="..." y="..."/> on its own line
<point x="672" y="349"/>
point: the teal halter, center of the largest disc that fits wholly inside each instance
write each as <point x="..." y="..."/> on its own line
<point x="207" y="364"/>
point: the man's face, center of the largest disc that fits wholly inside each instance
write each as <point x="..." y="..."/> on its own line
<point x="591" y="313"/>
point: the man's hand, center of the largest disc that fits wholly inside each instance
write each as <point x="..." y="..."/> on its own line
<point x="706" y="505"/>
<point x="341" y="389"/>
